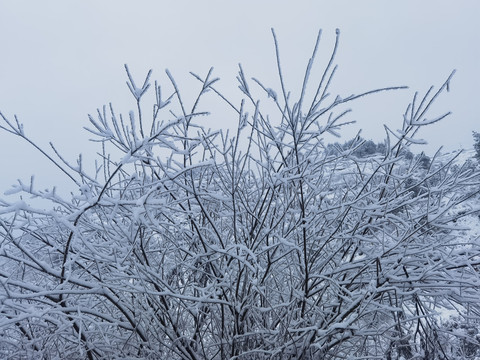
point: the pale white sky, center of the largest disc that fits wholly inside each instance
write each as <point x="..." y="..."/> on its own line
<point x="61" y="60"/>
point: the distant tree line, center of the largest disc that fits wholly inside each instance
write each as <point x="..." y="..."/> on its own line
<point x="362" y="148"/>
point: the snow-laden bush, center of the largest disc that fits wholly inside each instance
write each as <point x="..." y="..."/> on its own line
<point x="190" y="243"/>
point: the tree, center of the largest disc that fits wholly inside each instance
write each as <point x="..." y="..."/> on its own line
<point x="476" y="144"/>
<point x="197" y="244"/>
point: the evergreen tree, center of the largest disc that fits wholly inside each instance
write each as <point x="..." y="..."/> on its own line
<point x="476" y="144"/>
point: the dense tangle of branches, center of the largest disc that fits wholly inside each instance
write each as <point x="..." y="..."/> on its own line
<point x="189" y="243"/>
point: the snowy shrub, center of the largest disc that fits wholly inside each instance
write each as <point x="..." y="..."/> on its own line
<point x="191" y="243"/>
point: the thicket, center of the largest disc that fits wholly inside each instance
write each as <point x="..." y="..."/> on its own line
<point x="258" y="244"/>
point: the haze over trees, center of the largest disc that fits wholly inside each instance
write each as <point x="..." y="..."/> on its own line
<point x="262" y="243"/>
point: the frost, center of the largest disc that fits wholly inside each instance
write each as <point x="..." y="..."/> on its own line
<point x="128" y="158"/>
<point x="14" y="190"/>
<point x="271" y="93"/>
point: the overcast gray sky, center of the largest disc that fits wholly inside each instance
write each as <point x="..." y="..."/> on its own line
<point x="61" y="60"/>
